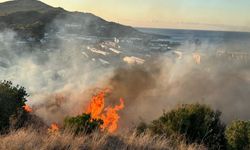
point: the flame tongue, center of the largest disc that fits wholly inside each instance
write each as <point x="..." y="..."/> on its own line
<point x="27" y="108"/>
<point x="110" y="119"/>
<point x="109" y="115"/>
<point x="54" y="128"/>
<point x="96" y="105"/>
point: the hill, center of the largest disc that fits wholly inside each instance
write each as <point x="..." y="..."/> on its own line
<point x="24" y="5"/>
<point x="32" y="18"/>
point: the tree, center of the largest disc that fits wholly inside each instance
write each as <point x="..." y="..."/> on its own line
<point x="12" y="100"/>
<point x="82" y="124"/>
<point x="198" y="123"/>
<point x="238" y="135"/>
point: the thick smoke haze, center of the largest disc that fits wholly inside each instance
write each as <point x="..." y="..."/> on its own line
<point x="218" y="82"/>
<point x="61" y="81"/>
<point x="54" y="78"/>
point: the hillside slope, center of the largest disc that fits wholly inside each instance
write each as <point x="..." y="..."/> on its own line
<point x="32" y="18"/>
<point x="23" y="5"/>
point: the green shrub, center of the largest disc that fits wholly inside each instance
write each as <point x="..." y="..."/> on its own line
<point x="238" y="135"/>
<point x="82" y="124"/>
<point x="198" y="123"/>
<point x="12" y="100"/>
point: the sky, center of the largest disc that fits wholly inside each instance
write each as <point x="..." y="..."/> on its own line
<point x="184" y="14"/>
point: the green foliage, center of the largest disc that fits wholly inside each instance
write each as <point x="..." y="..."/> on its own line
<point x="12" y="100"/>
<point x="238" y="135"/>
<point x="198" y="123"/>
<point x="82" y="124"/>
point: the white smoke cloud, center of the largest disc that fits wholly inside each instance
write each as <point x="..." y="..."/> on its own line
<point x="59" y="79"/>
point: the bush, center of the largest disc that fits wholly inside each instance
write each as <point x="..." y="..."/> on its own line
<point x="82" y="124"/>
<point x="198" y="123"/>
<point x="238" y="135"/>
<point x="12" y="100"/>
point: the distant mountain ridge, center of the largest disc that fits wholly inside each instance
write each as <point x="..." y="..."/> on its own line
<point x="31" y="18"/>
<point x="24" y="5"/>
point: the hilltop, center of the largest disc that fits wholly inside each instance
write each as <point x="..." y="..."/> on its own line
<point x="10" y="7"/>
<point x="32" y="18"/>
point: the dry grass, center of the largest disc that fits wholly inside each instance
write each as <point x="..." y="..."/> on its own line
<point x="27" y="139"/>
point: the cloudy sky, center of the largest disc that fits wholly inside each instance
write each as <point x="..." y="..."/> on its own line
<point x="191" y="14"/>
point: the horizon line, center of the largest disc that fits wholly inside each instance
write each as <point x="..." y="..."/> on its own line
<point x="192" y="29"/>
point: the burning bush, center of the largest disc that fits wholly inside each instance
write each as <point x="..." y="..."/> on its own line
<point x="238" y="135"/>
<point x="97" y="116"/>
<point x="198" y="123"/>
<point x="109" y="115"/>
<point x="82" y="124"/>
<point x="12" y="101"/>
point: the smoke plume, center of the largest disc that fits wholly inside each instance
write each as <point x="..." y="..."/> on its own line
<point x="61" y="80"/>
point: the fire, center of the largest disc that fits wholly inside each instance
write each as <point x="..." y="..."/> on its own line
<point x="27" y="108"/>
<point x="110" y="119"/>
<point x="197" y="58"/>
<point x="96" y="105"/>
<point x="53" y="128"/>
<point x="109" y="115"/>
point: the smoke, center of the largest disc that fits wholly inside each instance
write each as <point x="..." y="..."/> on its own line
<point x="61" y="80"/>
<point x="221" y="82"/>
<point x="57" y="75"/>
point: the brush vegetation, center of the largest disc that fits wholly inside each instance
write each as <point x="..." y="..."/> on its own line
<point x="82" y="124"/>
<point x="197" y="123"/>
<point x="26" y="139"/>
<point x="238" y="135"/>
<point x="188" y="127"/>
<point x="12" y="100"/>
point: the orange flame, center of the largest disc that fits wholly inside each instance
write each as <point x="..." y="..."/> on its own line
<point x="109" y="115"/>
<point x="96" y="105"/>
<point x="53" y="128"/>
<point x="110" y="119"/>
<point x="27" y="108"/>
